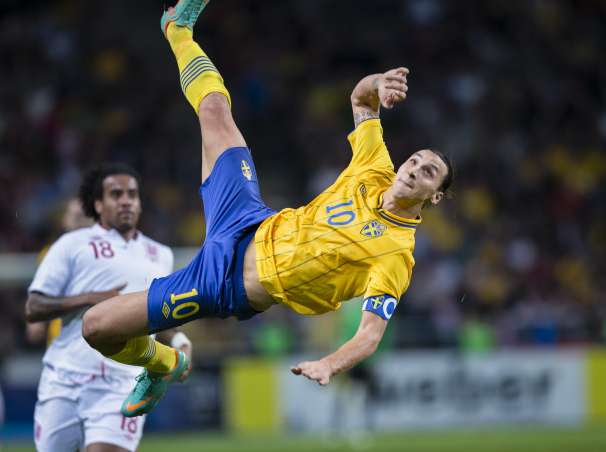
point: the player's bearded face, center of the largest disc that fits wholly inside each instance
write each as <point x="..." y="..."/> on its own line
<point x="120" y="206"/>
<point x="419" y="178"/>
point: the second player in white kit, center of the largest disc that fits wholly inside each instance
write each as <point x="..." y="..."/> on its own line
<point x="80" y="391"/>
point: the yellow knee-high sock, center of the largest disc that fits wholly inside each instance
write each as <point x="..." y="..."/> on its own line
<point x="149" y="353"/>
<point x="199" y="76"/>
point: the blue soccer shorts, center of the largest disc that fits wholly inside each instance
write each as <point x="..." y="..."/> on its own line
<point x="212" y="284"/>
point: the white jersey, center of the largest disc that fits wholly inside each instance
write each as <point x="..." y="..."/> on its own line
<point x="95" y="259"/>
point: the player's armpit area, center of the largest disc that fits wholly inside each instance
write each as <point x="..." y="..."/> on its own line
<point x="382" y="305"/>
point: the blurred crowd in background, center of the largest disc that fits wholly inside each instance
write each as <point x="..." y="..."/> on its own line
<point x="514" y="91"/>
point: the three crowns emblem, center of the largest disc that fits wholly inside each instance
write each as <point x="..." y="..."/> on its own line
<point x="245" y="167"/>
<point x="373" y="228"/>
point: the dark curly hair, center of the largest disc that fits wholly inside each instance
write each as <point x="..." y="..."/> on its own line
<point x="91" y="189"/>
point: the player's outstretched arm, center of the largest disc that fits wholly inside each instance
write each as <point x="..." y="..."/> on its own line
<point x="361" y="346"/>
<point x="40" y="307"/>
<point x="377" y="90"/>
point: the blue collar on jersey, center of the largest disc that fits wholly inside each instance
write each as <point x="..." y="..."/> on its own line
<point x="399" y="221"/>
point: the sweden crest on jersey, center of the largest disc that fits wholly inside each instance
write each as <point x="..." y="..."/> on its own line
<point x="373" y="228"/>
<point x="245" y="167"/>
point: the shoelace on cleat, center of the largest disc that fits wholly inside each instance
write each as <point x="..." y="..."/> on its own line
<point x="143" y="384"/>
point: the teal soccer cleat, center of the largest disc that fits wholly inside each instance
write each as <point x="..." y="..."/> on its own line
<point x="184" y="14"/>
<point x="150" y="388"/>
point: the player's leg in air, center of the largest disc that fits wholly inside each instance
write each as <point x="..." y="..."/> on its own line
<point x="118" y="328"/>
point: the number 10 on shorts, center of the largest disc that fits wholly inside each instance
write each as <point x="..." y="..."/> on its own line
<point x="183" y="308"/>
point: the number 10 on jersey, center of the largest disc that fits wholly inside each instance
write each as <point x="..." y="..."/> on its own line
<point x="340" y="214"/>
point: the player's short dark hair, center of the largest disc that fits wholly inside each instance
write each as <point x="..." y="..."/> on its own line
<point x="91" y="188"/>
<point x="449" y="178"/>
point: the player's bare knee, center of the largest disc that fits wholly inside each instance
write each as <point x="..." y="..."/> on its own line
<point x="215" y="108"/>
<point x="219" y="130"/>
<point x="92" y="328"/>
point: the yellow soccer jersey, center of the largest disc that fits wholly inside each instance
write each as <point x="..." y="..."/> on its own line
<point x="342" y="244"/>
<point x="53" y="332"/>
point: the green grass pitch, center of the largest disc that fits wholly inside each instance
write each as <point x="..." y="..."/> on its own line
<point x="523" y="439"/>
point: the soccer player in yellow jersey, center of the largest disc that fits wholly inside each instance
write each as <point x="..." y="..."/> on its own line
<point x="356" y="238"/>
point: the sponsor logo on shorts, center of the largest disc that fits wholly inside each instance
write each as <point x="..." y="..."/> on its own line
<point x="165" y="310"/>
<point x="245" y="167"/>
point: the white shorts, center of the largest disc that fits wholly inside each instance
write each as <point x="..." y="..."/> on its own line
<point x="75" y="410"/>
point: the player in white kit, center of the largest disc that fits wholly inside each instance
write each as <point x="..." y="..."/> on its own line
<point x="81" y="391"/>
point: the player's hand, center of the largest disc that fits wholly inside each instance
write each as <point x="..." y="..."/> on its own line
<point x="392" y="87"/>
<point x="98" y="297"/>
<point x="318" y="371"/>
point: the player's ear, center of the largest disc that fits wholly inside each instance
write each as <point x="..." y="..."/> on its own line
<point x="436" y="197"/>
<point x="98" y="206"/>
